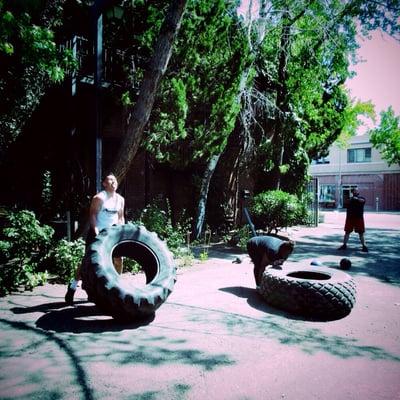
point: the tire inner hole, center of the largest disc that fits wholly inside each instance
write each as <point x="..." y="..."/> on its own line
<point x="309" y="275"/>
<point x="137" y="256"/>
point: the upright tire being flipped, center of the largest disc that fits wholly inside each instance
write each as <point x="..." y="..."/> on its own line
<point x="120" y="298"/>
<point x="320" y="293"/>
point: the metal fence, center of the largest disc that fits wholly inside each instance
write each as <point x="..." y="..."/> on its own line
<point x="312" y="190"/>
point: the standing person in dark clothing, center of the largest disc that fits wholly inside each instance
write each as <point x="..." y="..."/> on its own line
<point x="267" y="250"/>
<point x="355" y="220"/>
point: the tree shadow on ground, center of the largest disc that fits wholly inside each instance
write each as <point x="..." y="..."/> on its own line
<point x="32" y="344"/>
<point x="381" y="262"/>
<point x="289" y="332"/>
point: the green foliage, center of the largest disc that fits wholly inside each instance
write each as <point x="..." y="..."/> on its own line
<point x="203" y="256"/>
<point x="65" y="258"/>
<point x="157" y="217"/>
<point x="14" y="276"/>
<point x="30" y="59"/>
<point x="198" y="103"/>
<point x="130" y="265"/>
<point x="28" y="239"/>
<point x="302" y="63"/>
<point x="386" y="137"/>
<point x="275" y="209"/>
<point x="355" y="116"/>
<point x="244" y="235"/>
<point x="24" y="245"/>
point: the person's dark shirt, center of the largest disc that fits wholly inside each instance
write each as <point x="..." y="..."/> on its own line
<point x="355" y="208"/>
<point x="260" y="244"/>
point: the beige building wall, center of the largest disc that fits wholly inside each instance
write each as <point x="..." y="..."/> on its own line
<point x="377" y="181"/>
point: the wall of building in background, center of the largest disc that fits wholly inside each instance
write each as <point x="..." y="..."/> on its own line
<point x="357" y="165"/>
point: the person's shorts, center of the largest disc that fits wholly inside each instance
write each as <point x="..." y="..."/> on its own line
<point x="90" y="237"/>
<point x="255" y="255"/>
<point x="354" y="224"/>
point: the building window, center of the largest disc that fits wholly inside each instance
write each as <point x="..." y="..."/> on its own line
<point x="327" y="196"/>
<point x="321" y="160"/>
<point x="359" y="155"/>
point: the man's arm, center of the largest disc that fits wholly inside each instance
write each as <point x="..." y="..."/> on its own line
<point x="121" y="212"/>
<point x="95" y="207"/>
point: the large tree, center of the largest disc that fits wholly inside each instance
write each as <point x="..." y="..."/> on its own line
<point x="199" y="99"/>
<point x="148" y="89"/>
<point x="301" y="68"/>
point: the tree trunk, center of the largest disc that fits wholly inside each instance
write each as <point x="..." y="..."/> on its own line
<point x="148" y="88"/>
<point x="205" y="184"/>
<point x="281" y="108"/>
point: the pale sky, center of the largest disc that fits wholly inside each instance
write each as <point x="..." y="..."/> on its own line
<point x="378" y="78"/>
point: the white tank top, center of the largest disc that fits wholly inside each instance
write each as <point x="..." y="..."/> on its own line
<point x="108" y="214"/>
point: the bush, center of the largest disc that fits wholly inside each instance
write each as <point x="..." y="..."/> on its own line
<point x="274" y="210"/>
<point x="66" y="257"/>
<point x="24" y="245"/>
<point x="240" y="237"/>
<point x="157" y="217"/>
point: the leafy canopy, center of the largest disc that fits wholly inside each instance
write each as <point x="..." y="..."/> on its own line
<point x="386" y="137"/>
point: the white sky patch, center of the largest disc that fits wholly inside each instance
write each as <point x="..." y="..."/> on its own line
<point x="378" y="78"/>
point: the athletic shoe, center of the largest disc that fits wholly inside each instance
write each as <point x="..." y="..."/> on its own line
<point x="364" y="249"/>
<point x="69" y="296"/>
<point x="343" y="247"/>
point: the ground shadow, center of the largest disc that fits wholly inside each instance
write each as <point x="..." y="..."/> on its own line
<point x="83" y="319"/>
<point x="219" y="250"/>
<point x="256" y="301"/>
<point x="381" y="262"/>
<point x="44" y="308"/>
<point x="33" y="343"/>
<point x="289" y="332"/>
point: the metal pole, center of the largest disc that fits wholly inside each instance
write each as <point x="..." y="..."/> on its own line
<point x="247" y="215"/>
<point x="97" y="18"/>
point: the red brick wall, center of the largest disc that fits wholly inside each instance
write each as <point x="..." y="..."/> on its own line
<point x="391" y="184"/>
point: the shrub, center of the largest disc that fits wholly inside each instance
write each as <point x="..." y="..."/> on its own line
<point x="24" y="245"/>
<point x="157" y="217"/>
<point x="26" y="237"/>
<point x="66" y="257"/>
<point x="274" y="210"/>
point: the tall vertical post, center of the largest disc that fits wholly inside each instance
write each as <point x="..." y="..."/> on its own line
<point x="97" y="21"/>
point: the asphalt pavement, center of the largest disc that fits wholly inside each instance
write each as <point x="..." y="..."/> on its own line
<point x="215" y="337"/>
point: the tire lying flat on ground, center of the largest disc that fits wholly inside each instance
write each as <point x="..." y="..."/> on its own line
<point x="321" y="292"/>
<point x="119" y="297"/>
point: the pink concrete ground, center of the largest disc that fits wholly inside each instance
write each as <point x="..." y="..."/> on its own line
<point x="215" y="338"/>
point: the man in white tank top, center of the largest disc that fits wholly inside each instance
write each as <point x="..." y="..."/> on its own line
<point x="106" y="209"/>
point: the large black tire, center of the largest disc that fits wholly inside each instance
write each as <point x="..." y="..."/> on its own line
<point x="321" y="292"/>
<point x="118" y="297"/>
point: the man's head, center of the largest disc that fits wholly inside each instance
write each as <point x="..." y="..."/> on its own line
<point x="110" y="182"/>
<point x="355" y="191"/>
<point x="286" y="249"/>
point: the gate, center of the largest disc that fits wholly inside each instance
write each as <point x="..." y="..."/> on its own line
<point x="312" y="190"/>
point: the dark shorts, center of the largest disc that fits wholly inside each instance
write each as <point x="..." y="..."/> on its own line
<point x="90" y="238"/>
<point x="354" y="224"/>
<point x="255" y="255"/>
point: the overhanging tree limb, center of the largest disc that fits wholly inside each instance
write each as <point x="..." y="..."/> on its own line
<point x="148" y="88"/>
